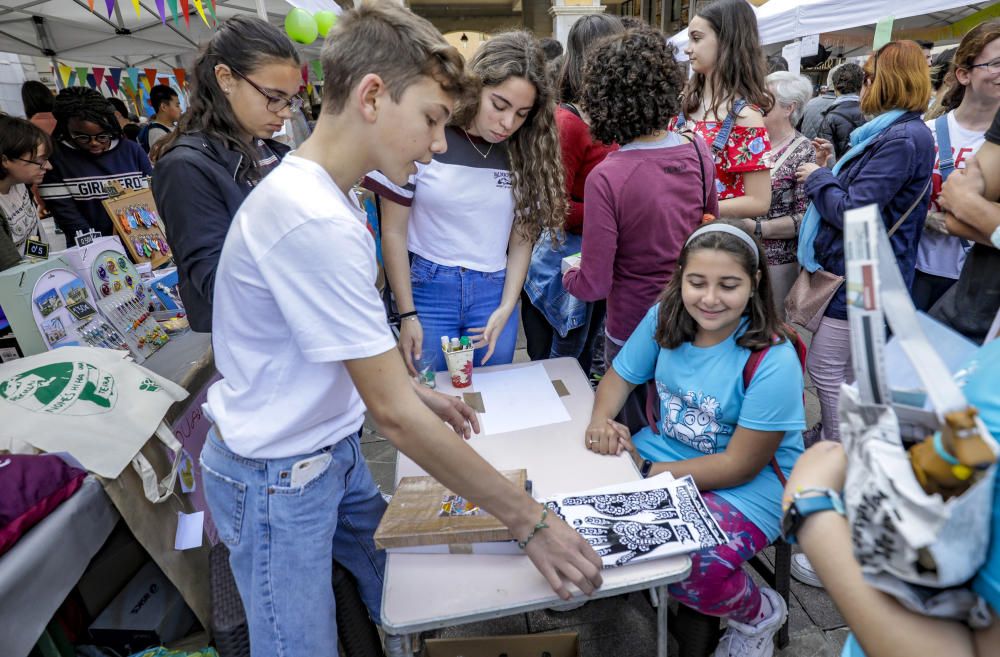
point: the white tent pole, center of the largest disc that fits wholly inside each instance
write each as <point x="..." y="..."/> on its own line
<point x="261" y="9"/>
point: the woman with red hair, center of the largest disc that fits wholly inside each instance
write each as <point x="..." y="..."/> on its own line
<point x="889" y="165"/>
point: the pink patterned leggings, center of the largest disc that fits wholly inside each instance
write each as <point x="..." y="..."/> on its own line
<point x="718" y="585"/>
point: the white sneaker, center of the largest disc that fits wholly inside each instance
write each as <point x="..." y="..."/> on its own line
<point x="803" y="571"/>
<point x="743" y="640"/>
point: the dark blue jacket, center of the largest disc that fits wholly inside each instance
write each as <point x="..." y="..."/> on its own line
<point x="197" y="193"/>
<point x="890" y="173"/>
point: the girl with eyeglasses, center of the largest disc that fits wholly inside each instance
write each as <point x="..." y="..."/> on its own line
<point x="90" y="153"/>
<point x="24" y="159"/>
<point x="243" y="87"/>
<point x="971" y="100"/>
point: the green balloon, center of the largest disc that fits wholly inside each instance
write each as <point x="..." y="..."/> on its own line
<point x="325" y="20"/>
<point x="301" y="26"/>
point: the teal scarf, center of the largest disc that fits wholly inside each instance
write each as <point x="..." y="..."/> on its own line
<point x="860" y="138"/>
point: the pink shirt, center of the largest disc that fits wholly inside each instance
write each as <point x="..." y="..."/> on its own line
<point x="642" y="203"/>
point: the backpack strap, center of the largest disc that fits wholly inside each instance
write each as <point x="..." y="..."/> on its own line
<point x="946" y="158"/>
<point x="722" y="137"/>
<point x="570" y="107"/>
<point x="750" y="368"/>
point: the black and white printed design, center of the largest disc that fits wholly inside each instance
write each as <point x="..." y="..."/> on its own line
<point x="646" y="519"/>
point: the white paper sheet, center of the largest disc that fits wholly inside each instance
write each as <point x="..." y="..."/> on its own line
<point x="518" y="398"/>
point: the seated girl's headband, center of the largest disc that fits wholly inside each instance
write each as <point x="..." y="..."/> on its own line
<point x="731" y="230"/>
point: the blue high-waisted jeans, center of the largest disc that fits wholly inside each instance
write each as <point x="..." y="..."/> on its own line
<point x="452" y="300"/>
<point x="282" y="541"/>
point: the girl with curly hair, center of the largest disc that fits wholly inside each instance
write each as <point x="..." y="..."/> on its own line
<point x="457" y="239"/>
<point x="243" y="86"/>
<point x="557" y="324"/>
<point x="725" y="102"/>
<point x="90" y="152"/>
<point x="644" y="199"/>
<point x="737" y="432"/>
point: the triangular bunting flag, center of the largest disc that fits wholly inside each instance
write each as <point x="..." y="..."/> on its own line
<point x="99" y="75"/>
<point x="186" y="10"/>
<point x="317" y="67"/>
<point x="114" y="79"/>
<point x="211" y="9"/>
<point x="110" y="4"/>
<point x="164" y="81"/>
<point x="64" y="73"/>
<point x="112" y="85"/>
<point x="81" y="75"/>
<point x="305" y="74"/>
<point x="72" y="79"/>
<point x="162" y="10"/>
<point x="90" y="3"/>
<point x="135" y="3"/>
<point x="309" y="89"/>
<point x="173" y="10"/>
<point x="91" y="82"/>
<point x="181" y="76"/>
<point x="133" y="76"/>
<point x="201" y="10"/>
<point x="150" y="78"/>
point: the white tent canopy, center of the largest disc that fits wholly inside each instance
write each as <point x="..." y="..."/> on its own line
<point x="68" y="30"/>
<point x="785" y="20"/>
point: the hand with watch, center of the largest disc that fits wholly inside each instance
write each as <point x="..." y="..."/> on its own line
<point x="814" y="486"/>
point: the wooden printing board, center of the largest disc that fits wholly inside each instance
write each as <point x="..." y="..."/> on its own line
<point x="122" y="201"/>
<point x="417" y="516"/>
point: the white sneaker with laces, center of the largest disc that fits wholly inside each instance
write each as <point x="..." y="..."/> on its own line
<point x="743" y="640"/>
<point x="803" y="571"/>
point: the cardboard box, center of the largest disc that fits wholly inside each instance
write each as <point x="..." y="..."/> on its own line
<point x="148" y="612"/>
<point x="563" y="644"/>
<point x="114" y="565"/>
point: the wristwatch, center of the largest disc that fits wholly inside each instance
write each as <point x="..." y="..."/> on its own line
<point x="646" y="466"/>
<point x="805" y="503"/>
<point x="758" y="229"/>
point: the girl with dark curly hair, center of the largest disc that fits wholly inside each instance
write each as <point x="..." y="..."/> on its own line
<point x="725" y="102"/>
<point x="644" y="199"/>
<point x="90" y="152"/>
<point x="457" y="239"/>
<point x="557" y="324"/>
<point x="243" y="87"/>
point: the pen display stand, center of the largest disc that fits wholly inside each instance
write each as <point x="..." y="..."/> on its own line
<point x="134" y="322"/>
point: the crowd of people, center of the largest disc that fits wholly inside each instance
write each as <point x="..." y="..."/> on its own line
<point x="698" y="200"/>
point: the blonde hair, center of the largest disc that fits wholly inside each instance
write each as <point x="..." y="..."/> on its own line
<point x="535" y="157"/>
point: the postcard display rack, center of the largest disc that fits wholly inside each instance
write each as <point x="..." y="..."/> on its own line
<point x="138" y="224"/>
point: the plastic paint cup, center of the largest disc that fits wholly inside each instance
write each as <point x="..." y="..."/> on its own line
<point x="460" y="367"/>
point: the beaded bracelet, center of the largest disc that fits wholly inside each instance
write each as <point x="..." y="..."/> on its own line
<point x="541" y="525"/>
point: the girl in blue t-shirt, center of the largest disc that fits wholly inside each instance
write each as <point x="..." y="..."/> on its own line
<point x="694" y="344"/>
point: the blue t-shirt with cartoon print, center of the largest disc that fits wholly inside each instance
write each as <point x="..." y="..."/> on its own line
<point x="702" y="401"/>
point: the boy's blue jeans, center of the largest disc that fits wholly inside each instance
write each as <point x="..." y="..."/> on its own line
<point x="452" y="300"/>
<point x="282" y="541"/>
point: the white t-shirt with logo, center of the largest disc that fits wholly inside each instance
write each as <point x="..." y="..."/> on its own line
<point x="937" y="254"/>
<point x="22" y="217"/>
<point x="295" y="297"/>
<point x="461" y="204"/>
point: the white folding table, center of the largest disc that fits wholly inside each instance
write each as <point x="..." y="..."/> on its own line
<point x="429" y="591"/>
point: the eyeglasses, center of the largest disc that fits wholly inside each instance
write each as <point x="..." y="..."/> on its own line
<point x="84" y="140"/>
<point x="274" y="103"/>
<point x="38" y="163"/>
<point x="992" y="67"/>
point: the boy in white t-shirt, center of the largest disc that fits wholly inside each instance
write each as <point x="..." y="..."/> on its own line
<point x="300" y="337"/>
